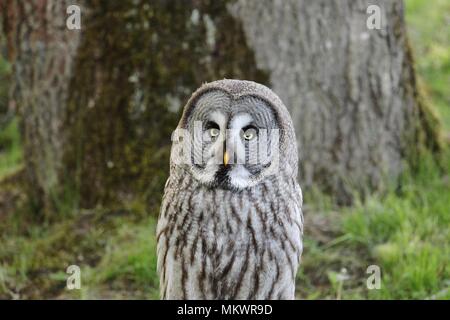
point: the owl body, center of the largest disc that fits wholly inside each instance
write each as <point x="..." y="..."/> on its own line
<point x="232" y="231"/>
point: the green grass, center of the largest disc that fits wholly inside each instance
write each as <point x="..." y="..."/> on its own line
<point x="115" y="251"/>
<point x="131" y="259"/>
<point x="407" y="233"/>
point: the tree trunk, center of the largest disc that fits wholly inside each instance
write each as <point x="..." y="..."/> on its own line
<point x="98" y="105"/>
<point x="41" y="50"/>
<point x="135" y="65"/>
<point x="351" y="91"/>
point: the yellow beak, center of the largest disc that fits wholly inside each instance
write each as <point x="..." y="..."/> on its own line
<point x="226" y="158"/>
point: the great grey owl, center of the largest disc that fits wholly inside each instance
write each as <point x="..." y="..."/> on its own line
<point x="230" y="224"/>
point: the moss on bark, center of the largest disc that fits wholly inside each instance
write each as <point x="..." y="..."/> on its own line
<point x="136" y="67"/>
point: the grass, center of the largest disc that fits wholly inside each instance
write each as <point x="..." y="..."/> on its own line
<point x="115" y="251"/>
<point x="131" y="258"/>
<point x="406" y="231"/>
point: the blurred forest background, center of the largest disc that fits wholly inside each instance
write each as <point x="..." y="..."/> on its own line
<point x="86" y="118"/>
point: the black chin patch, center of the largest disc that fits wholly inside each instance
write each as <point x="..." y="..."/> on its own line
<point x="221" y="178"/>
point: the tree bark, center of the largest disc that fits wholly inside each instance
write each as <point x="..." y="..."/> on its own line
<point x="98" y="106"/>
<point x="351" y="91"/>
<point x="41" y="50"/>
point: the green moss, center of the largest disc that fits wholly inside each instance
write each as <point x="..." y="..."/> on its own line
<point x="137" y="62"/>
<point x="429" y="36"/>
<point x="10" y="149"/>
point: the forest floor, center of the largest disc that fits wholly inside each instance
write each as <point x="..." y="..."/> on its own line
<point x="405" y="231"/>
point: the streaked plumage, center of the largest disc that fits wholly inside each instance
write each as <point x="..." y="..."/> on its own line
<point x="232" y="231"/>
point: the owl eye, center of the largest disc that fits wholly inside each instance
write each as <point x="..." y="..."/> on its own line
<point x="214" y="132"/>
<point x="249" y="133"/>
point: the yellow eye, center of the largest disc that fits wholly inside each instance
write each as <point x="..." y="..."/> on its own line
<point x="214" y="132"/>
<point x="249" y="134"/>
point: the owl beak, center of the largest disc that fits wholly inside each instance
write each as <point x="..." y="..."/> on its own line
<point x="226" y="158"/>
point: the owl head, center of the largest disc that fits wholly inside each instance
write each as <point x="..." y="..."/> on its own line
<point x="233" y="134"/>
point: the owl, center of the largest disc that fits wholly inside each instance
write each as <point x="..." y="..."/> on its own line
<point x="230" y="224"/>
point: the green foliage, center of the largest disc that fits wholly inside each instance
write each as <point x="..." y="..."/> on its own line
<point x="430" y="33"/>
<point x="156" y="55"/>
<point x="10" y="149"/>
<point x="130" y="259"/>
<point x="115" y="251"/>
<point x="406" y="230"/>
<point x="407" y="233"/>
